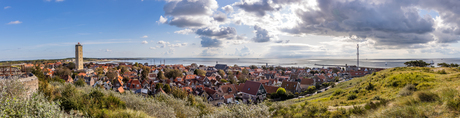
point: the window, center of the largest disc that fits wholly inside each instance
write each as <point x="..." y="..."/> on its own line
<point x="137" y="85"/>
<point x="249" y="89"/>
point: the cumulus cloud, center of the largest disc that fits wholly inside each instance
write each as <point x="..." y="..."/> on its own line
<point x="152" y="48"/>
<point x="178" y="45"/>
<point x="170" y="51"/>
<point x="258" y="7"/>
<point x="145" y="36"/>
<point x="228" y="9"/>
<point x="262" y="35"/>
<point x="7" y="7"/>
<point x="162" y="42"/>
<point x="145" y="42"/>
<point x="190" y="21"/>
<point x="245" y="51"/>
<point x="210" y="52"/>
<point x="184" y="31"/>
<point x="190" y="7"/>
<point x="162" y="20"/>
<point x="221" y="17"/>
<point x="389" y="23"/>
<point x="14" y="22"/>
<point x="222" y="32"/>
<point x="209" y="42"/>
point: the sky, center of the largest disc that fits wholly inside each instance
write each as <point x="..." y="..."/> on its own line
<point x="384" y="29"/>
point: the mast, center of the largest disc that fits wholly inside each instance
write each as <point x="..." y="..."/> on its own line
<point x="357" y="55"/>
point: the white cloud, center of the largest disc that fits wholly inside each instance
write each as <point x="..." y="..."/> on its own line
<point x="184" y="31"/>
<point x="245" y="51"/>
<point x="228" y="8"/>
<point x="178" y="45"/>
<point x="59" y="0"/>
<point x="145" y="36"/>
<point x="7" y="7"/>
<point x="211" y="52"/>
<point x="153" y="48"/>
<point x="170" y="51"/>
<point x="14" y="22"/>
<point x="145" y="42"/>
<point x="162" y="42"/>
<point x="107" y="50"/>
<point x="162" y="20"/>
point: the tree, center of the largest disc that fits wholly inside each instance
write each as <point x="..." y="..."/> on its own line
<point x="245" y="71"/>
<point x="221" y="73"/>
<point x="173" y="73"/>
<point x="253" y="67"/>
<point x="447" y="65"/>
<point x="178" y="92"/>
<point x="161" y="75"/>
<point x="145" y="72"/>
<point x="123" y="69"/>
<point x="200" y="72"/>
<point x="311" y="89"/>
<point x="419" y="63"/>
<point x="242" y="79"/>
<point x="194" y="65"/>
<point x="112" y="74"/>
<point x="158" y="86"/>
<point x="71" y="65"/>
<point x="167" y="88"/>
<point x="223" y="80"/>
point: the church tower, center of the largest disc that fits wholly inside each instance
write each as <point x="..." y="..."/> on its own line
<point x="79" y="56"/>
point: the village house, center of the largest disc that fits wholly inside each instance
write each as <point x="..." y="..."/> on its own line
<point x="291" y="86"/>
<point x="253" y="92"/>
<point x="307" y="82"/>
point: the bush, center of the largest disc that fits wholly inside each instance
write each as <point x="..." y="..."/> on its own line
<point x="426" y="96"/>
<point x="369" y="86"/>
<point x="442" y="71"/>
<point x="351" y="96"/>
<point x="80" y="83"/>
<point x="281" y="91"/>
<point x="337" y="92"/>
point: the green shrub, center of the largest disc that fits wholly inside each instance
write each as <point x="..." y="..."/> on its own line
<point x="351" y="96"/>
<point x="442" y="71"/>
<point x="80" y="83"/>
<point x="337" y="92"/>
<point x="426" y="96"/>
<point x="369" y="86"/>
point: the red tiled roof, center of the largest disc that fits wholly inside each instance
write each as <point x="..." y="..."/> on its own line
<point x="307" y="81"/>
<point x="188" y="77"/>
<point x="251" y="87"/>
<point x="271" y="89"/>
<point x="209" y="91"/>
<point x="225" y="89"/>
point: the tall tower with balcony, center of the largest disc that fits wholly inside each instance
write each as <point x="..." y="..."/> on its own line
<point x="79" y="56"/>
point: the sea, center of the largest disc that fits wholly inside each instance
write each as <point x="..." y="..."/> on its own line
<point x="287" y="62"/>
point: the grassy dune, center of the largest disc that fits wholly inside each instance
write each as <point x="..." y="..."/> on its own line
<point x="395" y="92"/>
